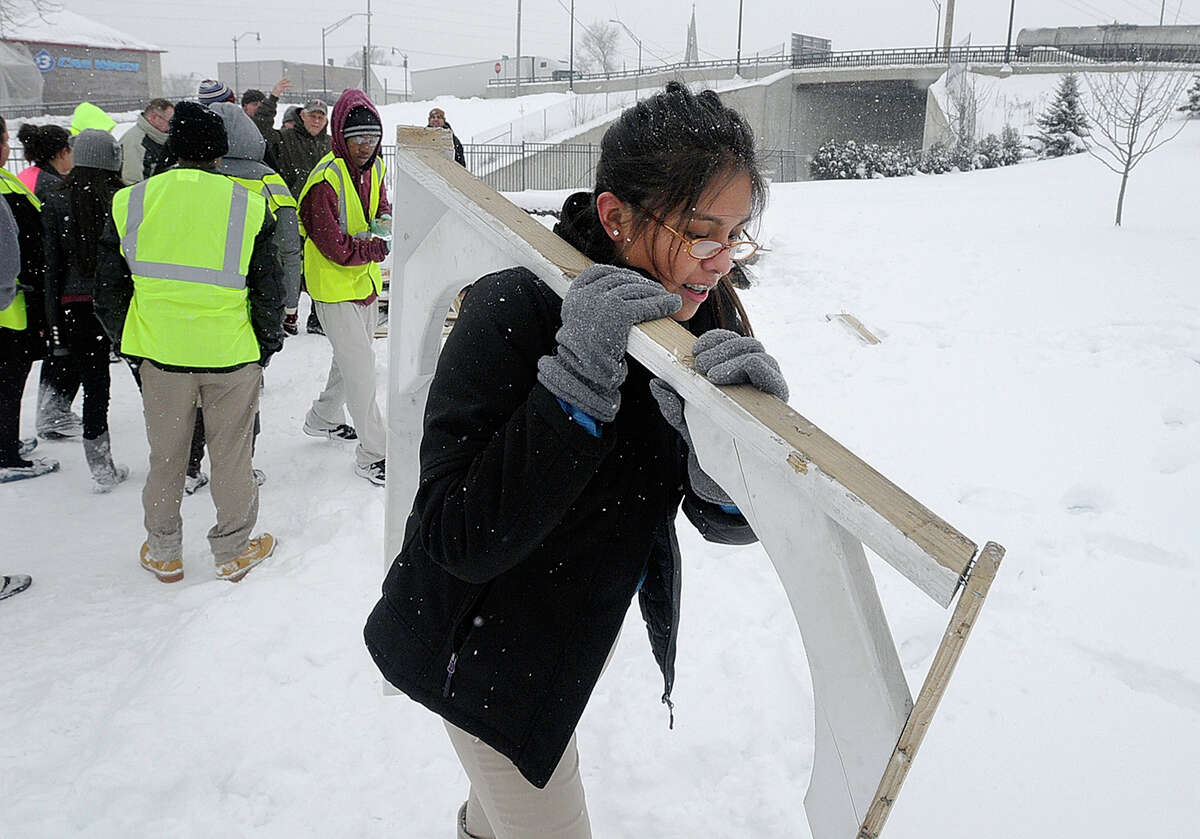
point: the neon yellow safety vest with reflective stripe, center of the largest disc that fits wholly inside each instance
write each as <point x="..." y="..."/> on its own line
<point x="272" y="188"/>
<point x="326" y="280"/>
<point x="188" y="236"/>
<point x="14" y="317"/>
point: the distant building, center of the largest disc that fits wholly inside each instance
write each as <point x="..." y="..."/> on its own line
<point x="307" y="80"/>
<point x="467" y="80"/>
<point x="76" y="59"/>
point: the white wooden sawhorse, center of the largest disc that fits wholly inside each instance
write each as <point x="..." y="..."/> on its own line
<point x="812" y="503"/>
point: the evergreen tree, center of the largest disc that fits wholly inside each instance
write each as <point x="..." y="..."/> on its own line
<point x="1193" y="103"/>
<point x="1064" y="124"/>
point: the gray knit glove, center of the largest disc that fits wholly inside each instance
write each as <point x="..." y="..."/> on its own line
<point x="727" y="358"/>
<point x="602" y="305"/>
<point x="672" y="410"/>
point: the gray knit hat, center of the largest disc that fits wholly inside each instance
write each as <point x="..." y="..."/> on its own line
<point x="97" y="149"/>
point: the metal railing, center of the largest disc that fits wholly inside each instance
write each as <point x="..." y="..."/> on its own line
<point x="920" y="56"/>
<point x="112" y="106"/>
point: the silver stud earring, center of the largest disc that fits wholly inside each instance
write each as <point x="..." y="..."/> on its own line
<point x="616" y="232"/>
<point x="627" y="239"/>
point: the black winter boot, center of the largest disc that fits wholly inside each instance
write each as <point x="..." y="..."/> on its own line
<point x="99" y="459"/>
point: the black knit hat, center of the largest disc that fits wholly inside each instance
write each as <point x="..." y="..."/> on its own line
<point x="361" y="121"/>
<point x="253" y="94"/>
<point x="197" y="134"/>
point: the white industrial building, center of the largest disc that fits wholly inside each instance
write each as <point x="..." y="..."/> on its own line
<point x="467" y="80"/>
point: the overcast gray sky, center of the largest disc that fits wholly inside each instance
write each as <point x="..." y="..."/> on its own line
<point x="199" y="33"/>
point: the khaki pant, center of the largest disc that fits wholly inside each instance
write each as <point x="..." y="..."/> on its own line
<point x="350" y="329"/>
<point x="230" y="403"/>
<point x="503" y="805"/>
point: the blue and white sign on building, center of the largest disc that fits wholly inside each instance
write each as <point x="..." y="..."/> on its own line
<point x="44" y="61"/>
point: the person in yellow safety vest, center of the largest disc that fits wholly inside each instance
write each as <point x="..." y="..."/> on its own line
<point x="346" y="219"/>
<point x="188" y="286"/>
<point x="245" y="163"/>
<point x="21" y="315"/>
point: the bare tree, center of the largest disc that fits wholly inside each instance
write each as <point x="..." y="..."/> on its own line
<point x="379" y="56"/>
<point x="15" y="11"/>
<point x="598" y="47"/>
<point x="1128" y="113"/>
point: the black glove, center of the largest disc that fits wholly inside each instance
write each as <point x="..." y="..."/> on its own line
<point x="602" y="305"/>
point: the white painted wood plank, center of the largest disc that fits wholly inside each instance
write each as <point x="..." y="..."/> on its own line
<point x="860" y="695"/>
<point x="915" y="541"/>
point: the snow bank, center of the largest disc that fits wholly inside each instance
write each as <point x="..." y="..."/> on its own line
<point x="1038" y="383"/>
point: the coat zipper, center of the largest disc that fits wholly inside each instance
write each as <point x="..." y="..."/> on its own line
<point x="462" y="631"/>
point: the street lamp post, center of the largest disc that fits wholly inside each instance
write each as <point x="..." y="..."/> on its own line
<point x="638" y="81"/>
<point x="737" y="70"/>
<point x="937" y="33"/>
<point x="1008" y="44"/>
<point x="571" y="65"/>
<point x="236" y="81"/>
<point x="325" y="30"/>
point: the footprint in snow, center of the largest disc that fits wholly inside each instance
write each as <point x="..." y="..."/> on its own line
<point x="1144" y="677"/>
<point x="1110" y="544"/>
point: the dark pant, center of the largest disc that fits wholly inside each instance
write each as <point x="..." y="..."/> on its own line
<point x="87" y="364"/>
<point x="15" y="361"/>
<point x="60" y="383"/>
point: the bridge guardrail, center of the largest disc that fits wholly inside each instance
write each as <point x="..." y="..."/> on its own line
<point x="1014" y="55"/>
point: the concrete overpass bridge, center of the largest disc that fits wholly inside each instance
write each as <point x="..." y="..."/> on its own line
<point x="796" y="103"/>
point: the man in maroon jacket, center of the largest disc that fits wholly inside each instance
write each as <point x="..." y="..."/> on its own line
<point x="346" y="218"/>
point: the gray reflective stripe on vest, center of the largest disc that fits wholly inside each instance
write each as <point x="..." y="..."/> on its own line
<point x="228" y="276"/>
<point x="278" y="190"/>
<point x="339" y="189"/>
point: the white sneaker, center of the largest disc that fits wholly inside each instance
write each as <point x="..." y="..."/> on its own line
<point x="337" y="432"/>
<point x="376" y="472"/>
<point x="191" y="483"/>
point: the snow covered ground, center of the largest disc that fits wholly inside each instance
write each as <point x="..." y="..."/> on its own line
<point x="1038" y="383"/>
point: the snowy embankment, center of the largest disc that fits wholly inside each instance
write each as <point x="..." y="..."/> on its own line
<point x="1038" y="383"/>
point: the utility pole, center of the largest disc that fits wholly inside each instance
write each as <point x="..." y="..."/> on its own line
<point x="937" y="33"/>
<point x="518" y="92"/>
<point x="571" y="65"/>
<point x="367" y="56"/>
<point x="948" y="36"/>
<point x="1162" y="12"/>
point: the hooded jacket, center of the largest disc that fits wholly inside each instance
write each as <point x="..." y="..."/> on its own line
<point x="144" y="150"/>
<point x="529" y="537"/>
<point x="319" y="209"/>
<point x="247" y="148"/>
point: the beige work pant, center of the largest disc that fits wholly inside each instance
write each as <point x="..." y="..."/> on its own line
<point x="503" y="805"/>
<point x="350" y="329"/>
<point x="230" y="402"/>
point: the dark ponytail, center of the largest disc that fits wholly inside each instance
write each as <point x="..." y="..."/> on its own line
<point x="42" y="143"/>
<point x="659" y="157"/>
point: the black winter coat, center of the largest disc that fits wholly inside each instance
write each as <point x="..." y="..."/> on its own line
<point x="28" y="343"/>
<point x="529" y="537"/>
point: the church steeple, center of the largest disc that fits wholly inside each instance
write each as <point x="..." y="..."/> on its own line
<point x="691" y="55"/>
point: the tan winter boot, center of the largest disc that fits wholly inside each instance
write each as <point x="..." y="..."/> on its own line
<point x="99" y="459"/>
<point x="167" y="570"/>
<point x="259" y="548"/>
